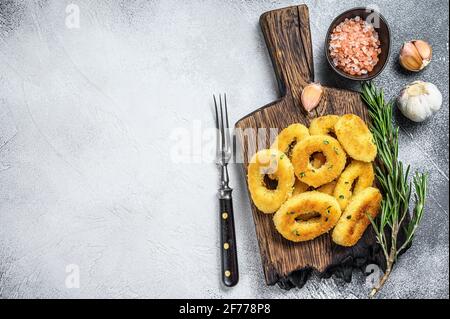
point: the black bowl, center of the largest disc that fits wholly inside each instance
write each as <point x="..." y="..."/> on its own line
<point x="384" y="35"/>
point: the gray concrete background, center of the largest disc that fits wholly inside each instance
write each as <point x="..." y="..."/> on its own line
<point x="86" y="120"/>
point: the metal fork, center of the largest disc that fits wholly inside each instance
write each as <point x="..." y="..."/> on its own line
<point x="230" y="274"/>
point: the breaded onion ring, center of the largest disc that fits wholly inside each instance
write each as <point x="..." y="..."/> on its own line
<point x="289" y="137"/>
<point x="277" y="164"/>
<point x="323" y="125"/>
<point x="356" y="177"/>
<point x="356" y="138"/>
<point x="334" y="165"/>
<point x="328" y="188"/>
<point x="354" y="220"/>
<point x="307" y="216"/>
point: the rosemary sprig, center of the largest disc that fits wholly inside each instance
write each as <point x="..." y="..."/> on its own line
<point x="392" y="176"/>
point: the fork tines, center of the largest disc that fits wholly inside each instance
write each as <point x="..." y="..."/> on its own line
<point x="223" y="133"/>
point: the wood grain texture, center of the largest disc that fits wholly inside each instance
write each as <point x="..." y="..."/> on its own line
<point x="288" y="38"/>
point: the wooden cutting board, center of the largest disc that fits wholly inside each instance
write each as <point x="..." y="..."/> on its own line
<point x="288" y="38"/>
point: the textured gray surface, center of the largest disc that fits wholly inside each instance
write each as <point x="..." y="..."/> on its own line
<point x="86" y="119"/>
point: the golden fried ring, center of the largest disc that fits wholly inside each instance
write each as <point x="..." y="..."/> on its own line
<point x="306" y="216"/>
<point x="357" y="176"/>
<point x="334" y="165"/>
<point x="289" y="137"/>
<point x="318" y="159"/>
<point x="323" y="125"/>
<point x="355" y="138"/>
<point x="328" y="188"/>
<point x="354" y="220"/>
<point x="278" y="165"/>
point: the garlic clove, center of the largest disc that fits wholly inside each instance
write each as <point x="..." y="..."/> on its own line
<point x="410" y="58"/>
<point x="424" y="49"/>
<point x="311" y="96"/>
<point x="415" y="55"/>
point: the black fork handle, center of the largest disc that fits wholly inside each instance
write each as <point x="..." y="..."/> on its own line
<point x="230" y="273"/>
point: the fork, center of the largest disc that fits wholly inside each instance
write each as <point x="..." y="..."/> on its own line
<point x="230" y="274"/>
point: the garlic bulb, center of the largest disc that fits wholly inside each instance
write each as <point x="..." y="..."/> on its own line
<point x="311" y="96"/>
<point x="415" y="55"/>
<point x="419" y="100"/>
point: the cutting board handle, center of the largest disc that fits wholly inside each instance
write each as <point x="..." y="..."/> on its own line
<point x="288" y="38"/>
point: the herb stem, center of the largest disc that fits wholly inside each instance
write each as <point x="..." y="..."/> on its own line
<point x="393" y="179"/>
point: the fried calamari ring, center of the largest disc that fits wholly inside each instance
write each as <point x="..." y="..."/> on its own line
<point x="354" y="220"/>
<point x="277" y="164"/>
<point x="306" y="216"/>
<point x="356" y="177"/>
<point x="334" y="165"/>
<point x="323" y="125"/>
<point x="318" y="160"/>
<point x="289" y="137"/>
<point x="355" y="138"/>
<point x="328" y="188"/>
